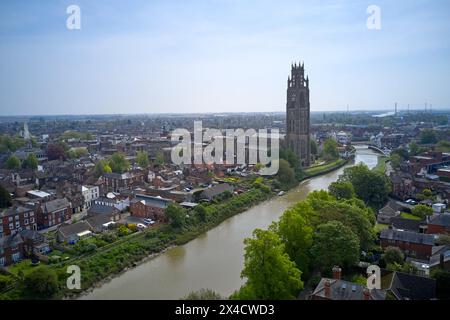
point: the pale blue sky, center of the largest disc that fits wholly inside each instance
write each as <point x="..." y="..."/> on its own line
<point x="220" y="55"/>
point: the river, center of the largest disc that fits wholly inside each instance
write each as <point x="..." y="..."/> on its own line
<point x="215" y="259"/>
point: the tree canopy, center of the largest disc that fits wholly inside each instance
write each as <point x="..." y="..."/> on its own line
<point x="295" y="233"/>
<point x="286" y="175"/>
<point x="270" y="274"/>
<point x="342" y="190"/>
<point x="40" y="283"/>
<point x="428" y="136"/>
<point x="13" y="162"/>
<point x="176" y="215"/>
<point x="30" y="162"/>
<point x="422" y="211"/>
<point x="370" y="186"/>
<point x="118" y="163"/>
<point x="142" y="159"/>
<point x="335" y="244"/>
<point x="330" y="151"/>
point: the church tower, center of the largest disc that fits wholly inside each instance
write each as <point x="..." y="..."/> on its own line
<point x="297" y="114"/>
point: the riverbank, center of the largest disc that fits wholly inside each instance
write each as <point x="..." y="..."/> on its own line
<point x="109" y="262"/>
<point x="325" y="168"/>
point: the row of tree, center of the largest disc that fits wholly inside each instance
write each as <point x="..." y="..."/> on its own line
<point x="30" y="162"/>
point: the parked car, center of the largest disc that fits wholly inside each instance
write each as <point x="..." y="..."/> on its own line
<point x="141" y="226"/>
<point x="148" y="222"/>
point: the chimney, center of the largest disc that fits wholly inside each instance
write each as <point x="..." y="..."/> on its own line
<point x="366" y="294"/>
<point x="327" y="288"/>
<point x="441" y="261"/>
<point x="337" y="273"/>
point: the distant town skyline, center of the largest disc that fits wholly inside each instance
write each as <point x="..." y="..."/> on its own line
<point x="220" y="56"/>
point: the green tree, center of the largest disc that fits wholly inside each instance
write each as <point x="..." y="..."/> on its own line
<point x="270" y="274"/>
<point x="342" y="190"/>
<point x="293" y="160"/>
<point x="118" y="163"/>
<point x="159" y="159"/>
<point x="13" y="162"/>
<point x="428" y="136"/>
<point x="176" y="215"/>
<point x="201" y="212"/>
<point x="40" y="283"/>
<point x="76" y="153"/>
<point x="31" y="161"/>
<point x="107" y="169"/>
<point x="142" y="159"/>
<point x="370" y="186"/>
<point x="295" y="232"/>
<point x="396" y="160"/>
<point x="330" y="150"/>
<point x="422" y="211"/>
<point x="359" y="219"/>
<point x="99" y="168"/>
<point x="413" y="148"/>
<point x="314" y="148"/>
<point x="402" y="152"/>
<point x="335" y="244"/>
<point x="443" y="146"/>
<point x="285" y="175"/>
<point x="393" y="255"/>
<point x="5" y="198"/>
<point x="203" y="294"/>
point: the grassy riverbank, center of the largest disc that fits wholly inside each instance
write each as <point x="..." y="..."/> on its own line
<point x="324" y="168"/>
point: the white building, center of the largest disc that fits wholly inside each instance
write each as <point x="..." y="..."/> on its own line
<point x="90" y="193"/>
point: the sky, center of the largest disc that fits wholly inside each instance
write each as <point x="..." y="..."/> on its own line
<point x="178" y="56"/>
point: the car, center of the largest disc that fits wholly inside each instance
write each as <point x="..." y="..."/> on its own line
<point x="141" y="226"/>
<point x="148" y="221"/>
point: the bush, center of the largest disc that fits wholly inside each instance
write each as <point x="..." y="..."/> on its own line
<point x="5" y="281"/>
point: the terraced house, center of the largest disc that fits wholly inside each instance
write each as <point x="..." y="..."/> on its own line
<point x="53" y="213"/>
<point x="14" y="220"/>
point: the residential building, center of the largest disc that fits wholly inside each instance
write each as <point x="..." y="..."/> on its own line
<point x="71" y="233"/>
<point x="439" y="224"/>
<point x="11" y="249"/>
<point x="412" y="243"/>
<point x="405" y="286"/>
<point x="53" y="213"/>
<point x="337" y="289"/>
<point x="90" y="193"/>
<point x="145" y="206"/>
<point x="16" y="219"/>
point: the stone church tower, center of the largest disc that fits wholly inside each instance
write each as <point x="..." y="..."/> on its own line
<point x="297" y="114"/>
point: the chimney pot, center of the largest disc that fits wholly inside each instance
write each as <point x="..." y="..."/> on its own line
<point x="327" y="288"/>
<point x="337" y="272"/>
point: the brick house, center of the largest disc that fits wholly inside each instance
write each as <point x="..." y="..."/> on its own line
<point x="439" y="224"/>
<point x="338" y="289"/>
<point x="16" y="219"/>
<point x="117" y="182"/>
<point x="414" y="244"/>
<point x="11" y="249"/>
<point x="53" y="213"/>
<point x="144" y="206"/>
